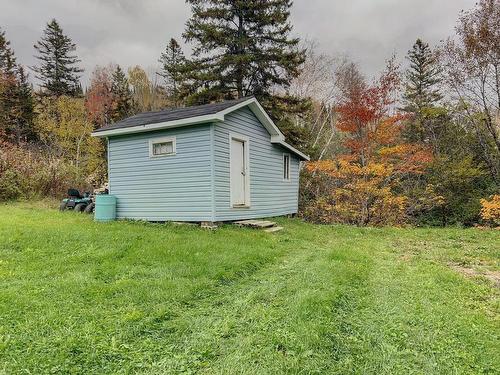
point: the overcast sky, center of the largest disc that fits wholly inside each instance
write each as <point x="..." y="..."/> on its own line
<point x="134" y="32"/>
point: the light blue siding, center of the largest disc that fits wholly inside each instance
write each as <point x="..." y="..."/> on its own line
<point x="174" y="187"/>
<point x="269" y="194"/>
<point x="193" y="184"/>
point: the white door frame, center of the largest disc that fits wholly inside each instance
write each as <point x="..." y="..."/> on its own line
<point x="245" y="140"/>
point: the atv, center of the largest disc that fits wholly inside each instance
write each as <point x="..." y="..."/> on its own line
<point x="76" y="201"/>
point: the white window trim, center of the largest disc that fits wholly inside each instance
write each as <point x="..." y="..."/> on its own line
<point x="283" y="166"/>
<point x="246" y="141"/>
<point x="162" y="140"/>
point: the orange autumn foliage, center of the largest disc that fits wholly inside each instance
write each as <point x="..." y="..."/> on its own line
<point x="490" y="209"/>
<point x="355" y="194"/>
<point x="361" y="186"/>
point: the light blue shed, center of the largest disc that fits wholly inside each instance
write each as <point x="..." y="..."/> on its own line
<point x="216" y="162"/>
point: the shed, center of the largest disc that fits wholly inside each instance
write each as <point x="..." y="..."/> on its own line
<point x="215" y="162"/>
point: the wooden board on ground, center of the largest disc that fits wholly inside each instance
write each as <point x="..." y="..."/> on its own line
<point x="255" y="223"/>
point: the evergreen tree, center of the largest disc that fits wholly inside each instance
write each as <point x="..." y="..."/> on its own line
<point x="7" y="86"/>
<point x="7" y="58"/>
<point x="422" y="95"/>
<point x="422" y="78"/>
<point x="57" y="70"/>
<point x="16" y="99"/>
<point x="243" y="48"/>
<point x="173" y="65"/>
<point x="25" y="108"/>
<point x="122" y="95"/>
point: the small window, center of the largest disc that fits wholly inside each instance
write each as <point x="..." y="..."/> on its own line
<point x="286" y="167"/>
<point x="162" y="147"/>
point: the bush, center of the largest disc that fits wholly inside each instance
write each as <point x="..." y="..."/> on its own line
<point x="9" y="188"/>
<point x="461" y="183"/>
<point x="490" y="210"/>
<point x="344" y="192"/>
<point x="30" y="172"/>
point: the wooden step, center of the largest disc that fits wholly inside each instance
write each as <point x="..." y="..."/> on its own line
<point x="255" y="223"/>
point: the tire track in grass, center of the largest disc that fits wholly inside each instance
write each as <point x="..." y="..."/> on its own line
<point x="150" y="335"/>
<point x="189" y="323"/>
<point x="310" y="299"/>
<point x="422" y="321"/>
<point x="348" y="307"/>
<point x="287" y="316"/>
<point x="136" y="341"/>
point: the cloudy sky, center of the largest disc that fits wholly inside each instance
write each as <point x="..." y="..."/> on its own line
<point x="131" y="32"/>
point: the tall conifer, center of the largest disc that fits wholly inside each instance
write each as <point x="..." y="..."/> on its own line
<point x="243" y="48"/>
<point x="122" y="95"/>
<point x="422" y="78"/>
<point x="58" y="69"/>
<point x="16" y="99"/>
<point x="7" y="58"/>
<point x="422" y="95"/>
<point x="173" y="65"/>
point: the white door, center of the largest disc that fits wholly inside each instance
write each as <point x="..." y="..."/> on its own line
<point x="238" y="172"/>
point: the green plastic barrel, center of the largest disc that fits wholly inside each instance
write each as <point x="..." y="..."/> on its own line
<point x="105" y="207"/>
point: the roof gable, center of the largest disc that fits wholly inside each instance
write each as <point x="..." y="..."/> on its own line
<point x="149" y="121"/>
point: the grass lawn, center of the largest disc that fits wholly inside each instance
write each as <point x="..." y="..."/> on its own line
<point x="123" y="297"/>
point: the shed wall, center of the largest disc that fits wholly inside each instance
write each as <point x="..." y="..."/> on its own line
<point x="175" y="187"/>
<point x="270" y="195"/>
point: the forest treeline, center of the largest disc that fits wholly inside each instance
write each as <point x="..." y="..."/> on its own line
<point x="418" y="145"/>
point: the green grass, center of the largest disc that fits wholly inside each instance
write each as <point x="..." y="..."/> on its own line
<point x="123" y="297"/>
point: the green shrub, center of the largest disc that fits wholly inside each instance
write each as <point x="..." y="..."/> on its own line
<point x="28" y="172"/>
<point x="9" y="188"/>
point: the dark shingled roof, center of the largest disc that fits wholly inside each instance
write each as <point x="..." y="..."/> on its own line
<point x="165" y="115"/>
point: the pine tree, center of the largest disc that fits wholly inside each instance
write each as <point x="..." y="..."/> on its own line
<point x="16" y="99"/>
<point x="173" y="64"/>
<point x="421" y="96"/>
<point x="7" y="58"/>
<point x="122" y="94"/>
<point x="422" y="78"/>
<point x="58" y="70"/>
<point x="7" y="86"/>
<point x="25" y="108"/>
<point x="242" y="48"/>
